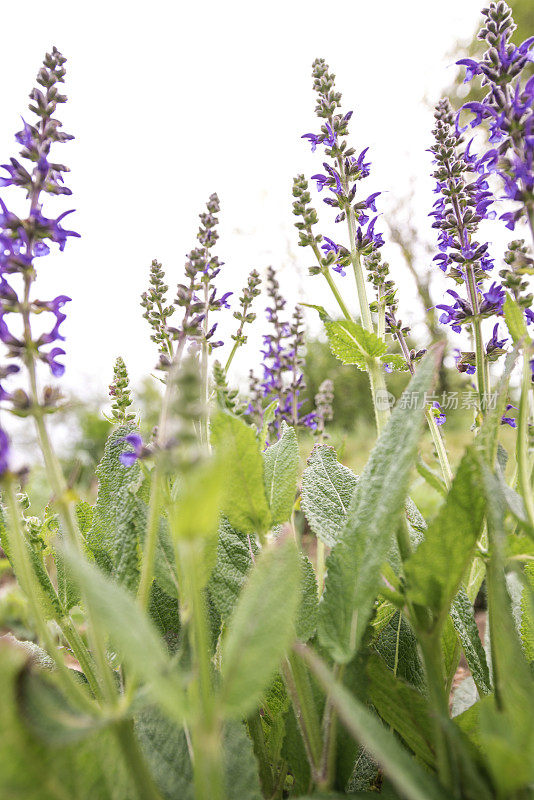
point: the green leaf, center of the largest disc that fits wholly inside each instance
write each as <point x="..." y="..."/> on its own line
<point x="353" y="567"/>
<point x="34" y="769"/>
<point x="515" y="320"/>
<point x="132" y="633"/>
<point x="397" y="645"/>
<point x="280" y="467"/>
<point x="434" y="572"/>
<point x="164" y="611"/>
<point x="261" y="627"/>
<point x="234" y="560"/>
<point x="119" y="518"/>
<point x="306" y="623"/>
<point x="268" y="417"/>
<point x="487" y="439"/>
<point x="190" y="519"/>
<point x="245" y="503"/>
<point x="431" y="477"/>
<point x="327" y="490"/>
<point x="48" y="598"/>
<point x="48" y="714"/>
<point x="507" y="733"/>
<point x="165" y="747"/>
<point x="403" y="708"/>
<point x="407" y="775"/>
<point x="465" y="625"/>
<point x="352" y="344"/>
<point x="67" y="591"/>
<point x="395" y="361"/>
<point x="323" y="313"/>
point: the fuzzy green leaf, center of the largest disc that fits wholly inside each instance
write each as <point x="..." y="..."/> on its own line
<point x="119" y="518"/>
<point x="165" y="747"/>
<point x="403" y="708"/>
<point x="244" y="503"/>
<point x="327" y="490"/>
<point x="466" y="628"/>
<point x="407" y="775"/>
<point x="280" y="468"/>
<point x="353" y="567"/>
<point x="132" y="633"/>
<point x="234" y="559"/>
<point x="352" y="344"/>
<point x="306" y="623"/>
<point x="33" y="768"/>
<point x="434" y="572"/>
<point x="261" y="627"/>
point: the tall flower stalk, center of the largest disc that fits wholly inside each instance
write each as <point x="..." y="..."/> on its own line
<point x="341" y="176"/>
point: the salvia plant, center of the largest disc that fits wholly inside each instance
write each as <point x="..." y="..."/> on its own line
<point x="221" y="622"/>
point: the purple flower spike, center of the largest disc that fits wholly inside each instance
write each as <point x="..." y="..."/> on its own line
<point x="4" y="452"/>
<point x="129" y="458"/>
<point x="439" y="416"/>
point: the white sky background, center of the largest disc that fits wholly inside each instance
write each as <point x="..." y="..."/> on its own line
<point x="172" y="101"/>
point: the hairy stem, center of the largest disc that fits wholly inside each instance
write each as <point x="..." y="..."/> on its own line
<point x="299" y="689"/>
<point x="25" y="574"/>
<point x="137" y="767"/>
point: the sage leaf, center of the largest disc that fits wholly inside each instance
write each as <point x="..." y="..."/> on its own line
<point x="244" y="501"/>
<point x="353" y="566"/>
<point x="261" y="627"/>
<point x="280" y="468"/>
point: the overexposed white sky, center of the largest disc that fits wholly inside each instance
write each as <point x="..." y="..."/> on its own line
<point x="172" y="101"/>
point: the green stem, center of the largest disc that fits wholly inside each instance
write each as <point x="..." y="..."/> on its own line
<point x="335" y="292"/>
<point x="432" y="658"/>
<point x="206" y="729"/>
<point x="255" y="730"/>
<point x="298" y="687"/>
<point x="81" y="653"/>
<point x="24" y="572"/>
<point x="329" y="727"/>
<point x="375" y="369"/>
<point x="151" y="536"/>
<point x="365" y="311"/>
<point x="480" y="353"/>
<point x="439" y="444"/>
<point x="231" y="357"/>
<point x="137" y="767"/>
<point x="151" y="539"/>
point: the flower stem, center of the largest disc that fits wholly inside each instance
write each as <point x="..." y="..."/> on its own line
<point x="151" y="538"/>
<point x="365" y="311"/>
<point x="231" y="357"/>
<point x="299" y="689"/>
<point x="205" y="420"/>
<point x="480" y="353"/>
<point x="206" y="729"/>
<point x="25" y="574"/>
<point x="141" y="777"/>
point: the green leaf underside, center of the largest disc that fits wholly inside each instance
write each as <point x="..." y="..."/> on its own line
<point x="245" y="503"/>
<point x="435" y="571"/>
<point x="261" y="627"/>
<point x="353" y="576"/>
<point x="280" y="467"/>
<point x="326" y="494"/>
<point x="131" y="632"/>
